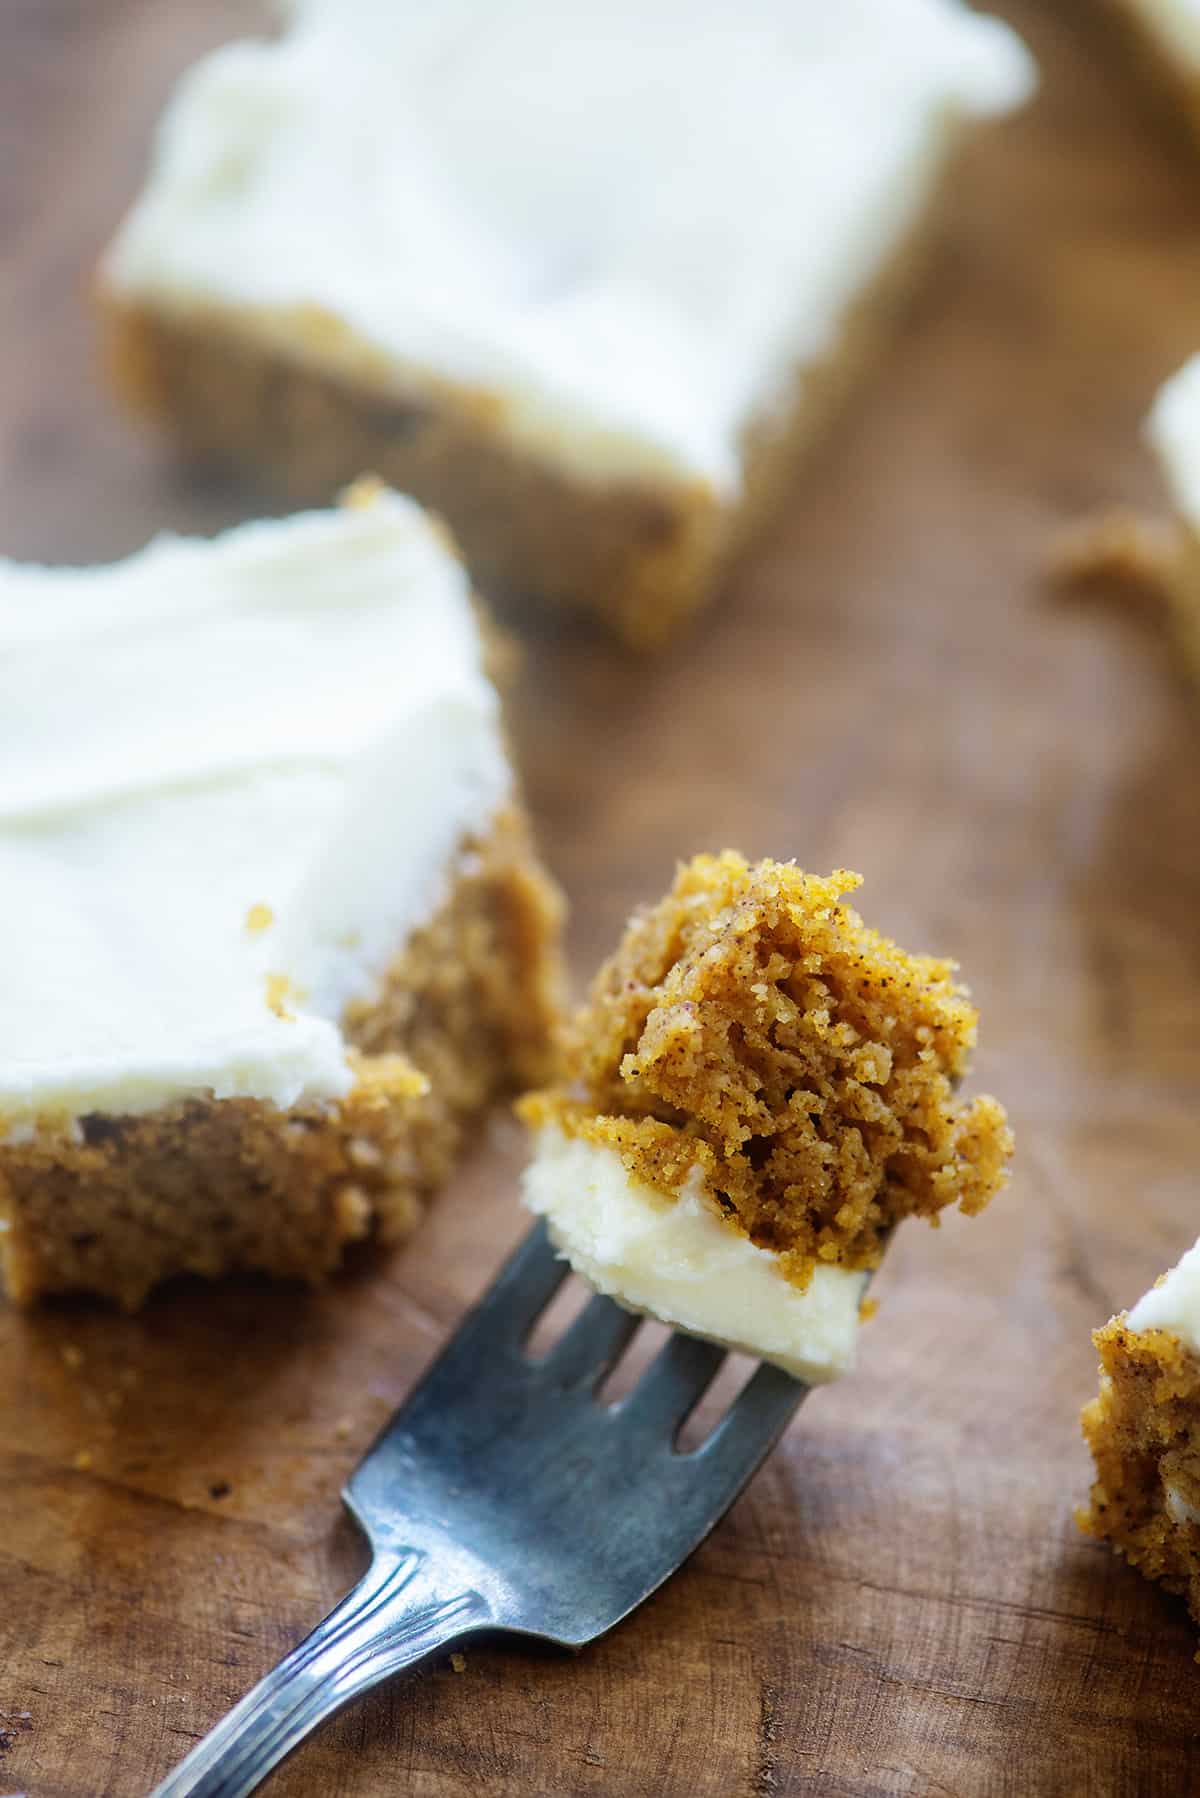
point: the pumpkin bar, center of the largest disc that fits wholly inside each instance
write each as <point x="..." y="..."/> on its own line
<point x="1143" y="1429"/>
<point x="274" y="929"/>
<point x="585" y="280"/>
<point x="757" y="1091"/>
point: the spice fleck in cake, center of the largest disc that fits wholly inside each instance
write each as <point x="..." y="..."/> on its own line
<point x="758" y="1089"/>
<point x="274" y="926"/>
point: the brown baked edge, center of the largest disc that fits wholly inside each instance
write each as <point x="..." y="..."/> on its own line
<point x="633" y="556"/>
<point x="641" y="558"/>
<point x="466" y="1011"/>
<point x="1143" y="1429"/>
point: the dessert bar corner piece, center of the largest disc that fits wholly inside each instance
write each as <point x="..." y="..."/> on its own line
<point x="587" y="281"/>
<point x="1143" y="1429"/>
<point x="274" y="928"/>
<point x="758" y="1089"/>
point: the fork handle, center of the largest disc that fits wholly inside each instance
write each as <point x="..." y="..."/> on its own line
<point x="397" y="1615"/>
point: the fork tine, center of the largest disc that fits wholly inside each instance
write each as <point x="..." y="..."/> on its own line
<point x="677" y="1379"/>
<point x="593" y="1344"/>
<point x="752" y="1425"/>
<point x="517" y="1297"/>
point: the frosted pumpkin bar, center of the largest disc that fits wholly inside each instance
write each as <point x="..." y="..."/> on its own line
<point x="585" y="279"/>
<point x="757" y="1090"/>
<point x="273" y="926"/>
<point x="1144" y="1433"/>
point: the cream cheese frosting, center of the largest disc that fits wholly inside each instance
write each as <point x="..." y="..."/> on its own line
<point x="675" y="1259"/>
<point x="629" y="221"/>
<point x="236" y="775"/>
<point x="1174" y="1303"/>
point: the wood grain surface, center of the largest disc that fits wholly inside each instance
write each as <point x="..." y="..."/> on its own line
<point x="901" y="1602"/>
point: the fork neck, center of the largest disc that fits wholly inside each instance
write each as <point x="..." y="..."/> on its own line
<point x="399" y="1613"/>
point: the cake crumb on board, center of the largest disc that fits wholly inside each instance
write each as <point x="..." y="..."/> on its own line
<point x="1118" y="555"/>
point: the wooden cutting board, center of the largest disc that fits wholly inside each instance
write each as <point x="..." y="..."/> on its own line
<point x="901" y="1603"/>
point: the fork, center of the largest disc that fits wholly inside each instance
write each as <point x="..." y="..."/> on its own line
<point x="503" y="1497"/>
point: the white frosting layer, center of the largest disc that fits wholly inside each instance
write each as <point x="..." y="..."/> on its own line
<point x="676" y="1259"/>
<point x="1174" y="1304"/>
<point x="1176" y="26"/>
<point x="631" y="219"/>
<point x="1174" y="430"/>
<point x="292" y="716"/>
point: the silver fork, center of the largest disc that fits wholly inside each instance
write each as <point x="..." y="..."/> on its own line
<point x="502" y="1496"/>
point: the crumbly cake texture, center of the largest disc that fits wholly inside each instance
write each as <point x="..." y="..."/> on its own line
<point x="642" y="558"/>
<point x="751" y="1027"/>
<point x="466" y="1011"/>
<point x="1144" y="1433"/>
